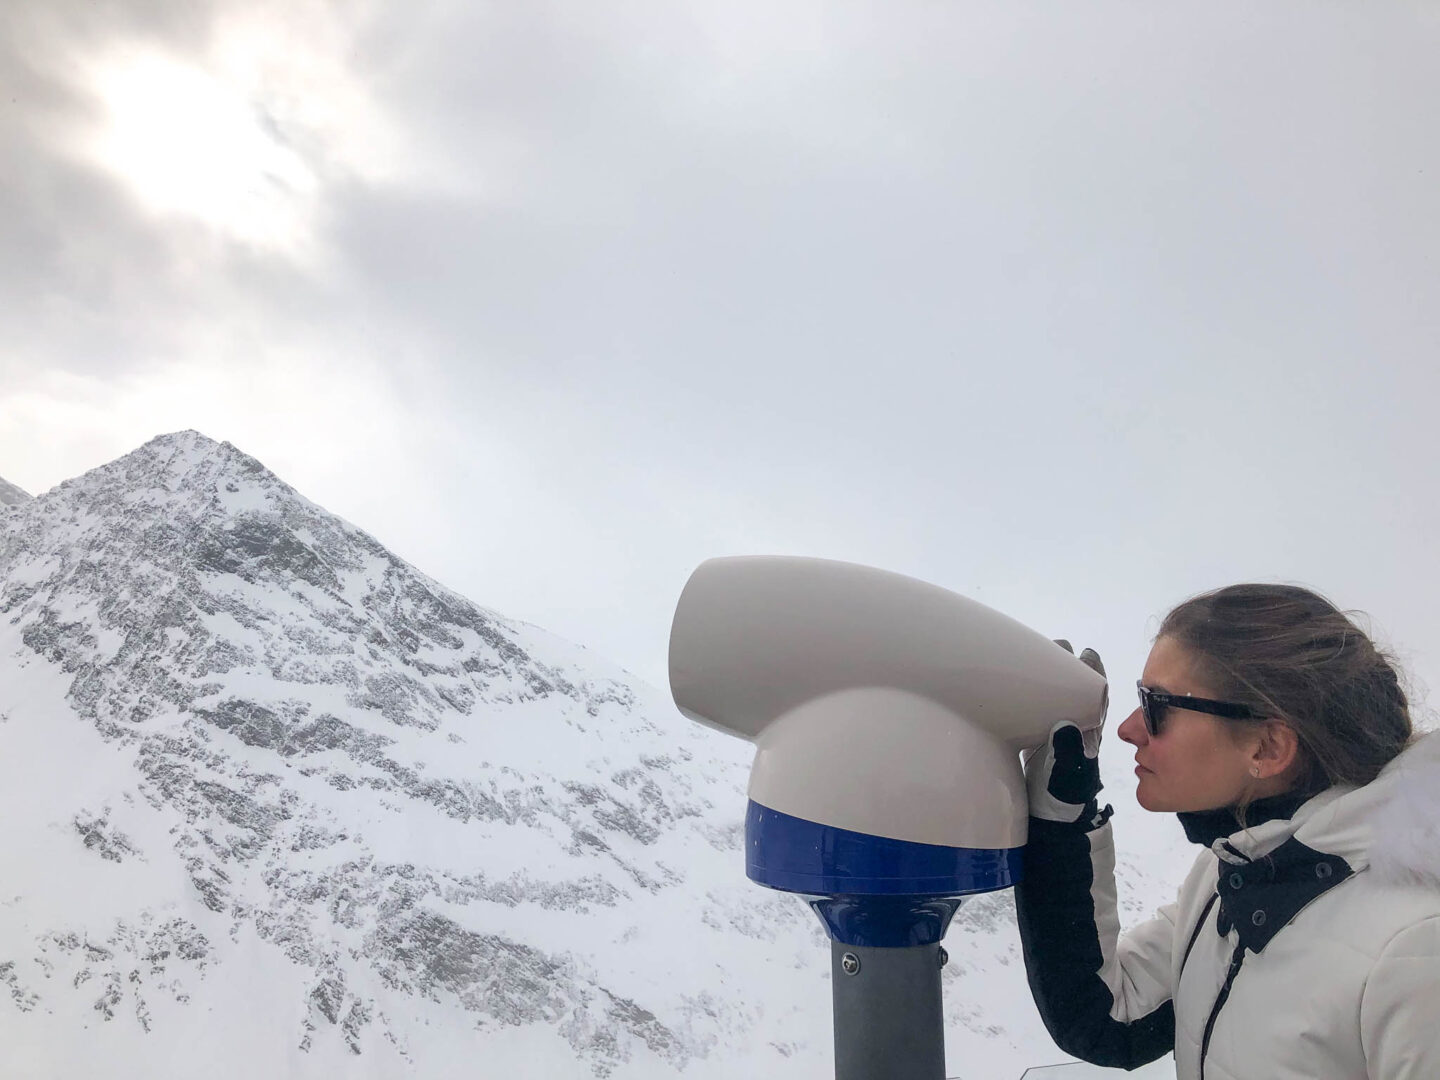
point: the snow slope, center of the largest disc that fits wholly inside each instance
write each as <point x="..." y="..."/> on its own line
<point x="279" y="805"/>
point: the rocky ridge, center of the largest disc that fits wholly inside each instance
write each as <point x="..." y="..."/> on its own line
<point x="10" y="495"/>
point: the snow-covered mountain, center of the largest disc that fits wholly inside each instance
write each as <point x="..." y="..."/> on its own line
<point x="10" y="495"/>
<point x="279" y="805"/>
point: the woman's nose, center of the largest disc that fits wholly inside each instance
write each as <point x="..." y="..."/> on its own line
<point x="1132" y="729"/>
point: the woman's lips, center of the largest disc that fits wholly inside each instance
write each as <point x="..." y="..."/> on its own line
<point x="1140" y="769"/>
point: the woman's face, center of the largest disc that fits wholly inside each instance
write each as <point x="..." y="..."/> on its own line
<point x="1194" y="763"/>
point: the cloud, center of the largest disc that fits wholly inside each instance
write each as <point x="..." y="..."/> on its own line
<point x="186" y="144"/>
<point x="1005" y="297"/>
<point x="174" y="173"/>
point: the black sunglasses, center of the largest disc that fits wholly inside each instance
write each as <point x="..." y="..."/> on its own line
<point x="1153" y="704"/>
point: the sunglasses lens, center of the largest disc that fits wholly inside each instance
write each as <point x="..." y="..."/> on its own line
<point x="1151" y="710"/>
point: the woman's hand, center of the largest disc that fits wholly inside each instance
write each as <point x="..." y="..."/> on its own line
<point x="1063" y="774"/>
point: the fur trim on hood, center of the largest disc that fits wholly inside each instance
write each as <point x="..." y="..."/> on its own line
<point x="1405" y="846"/>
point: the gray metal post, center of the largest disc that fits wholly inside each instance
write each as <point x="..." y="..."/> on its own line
<point x="888" y="1020"/>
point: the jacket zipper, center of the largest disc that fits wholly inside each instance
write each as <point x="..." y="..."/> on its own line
<point x="1195" y="935"/>
<point x="1236" y="959"/>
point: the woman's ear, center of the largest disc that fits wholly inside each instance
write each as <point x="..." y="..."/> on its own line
<point x="1275" y="751"/>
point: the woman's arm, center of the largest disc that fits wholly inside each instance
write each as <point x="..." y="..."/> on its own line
<point x="1104" y="999"/>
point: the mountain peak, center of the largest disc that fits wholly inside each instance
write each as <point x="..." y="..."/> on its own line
<point x="10" y="495"/>
<point x="181" y="452"/>
<point x="186" y="435"/>
<point x="218" y="477"/>
<point x="187" y="440"/>
<point x="175" y="461"/>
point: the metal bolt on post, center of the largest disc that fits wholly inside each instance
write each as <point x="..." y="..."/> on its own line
<point x="888" y="1021"/>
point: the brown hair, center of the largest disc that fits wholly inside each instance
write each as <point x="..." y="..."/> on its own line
<point x="1293" y="655"/>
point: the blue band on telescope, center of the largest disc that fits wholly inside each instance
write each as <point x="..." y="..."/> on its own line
<point x="795" y="855"/>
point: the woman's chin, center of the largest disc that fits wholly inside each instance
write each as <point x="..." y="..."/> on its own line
<point x="1149" y="799"/>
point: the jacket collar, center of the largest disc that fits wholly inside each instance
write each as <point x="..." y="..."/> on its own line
<point x="1259" y="898"/>
<point x="1207" y="826"/>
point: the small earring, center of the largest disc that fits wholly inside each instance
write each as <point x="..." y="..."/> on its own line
<point x="1255" y="771"/>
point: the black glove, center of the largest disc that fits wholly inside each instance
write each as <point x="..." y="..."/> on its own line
<point x="1063" y="774"/>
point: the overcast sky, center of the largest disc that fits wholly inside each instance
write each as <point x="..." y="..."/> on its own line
<point x="1074" y="308"/>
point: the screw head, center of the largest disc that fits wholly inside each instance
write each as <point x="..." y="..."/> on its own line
<point x="850" y="963"/>
<point x="944" y="956"/>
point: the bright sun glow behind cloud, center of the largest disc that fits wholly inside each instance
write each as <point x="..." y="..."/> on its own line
<point x="189" y="144"/>
<point x="244" y="134"/>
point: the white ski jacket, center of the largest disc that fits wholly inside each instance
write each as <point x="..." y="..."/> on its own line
<point x="1304" y="947"/>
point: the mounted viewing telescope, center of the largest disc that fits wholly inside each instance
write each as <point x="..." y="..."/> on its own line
<point x="888" y="717"/>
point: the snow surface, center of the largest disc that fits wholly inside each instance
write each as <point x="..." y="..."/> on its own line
<point x="279" y="805"/>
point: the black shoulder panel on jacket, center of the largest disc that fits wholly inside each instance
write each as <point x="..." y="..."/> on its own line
<point x="1260" y="898"/>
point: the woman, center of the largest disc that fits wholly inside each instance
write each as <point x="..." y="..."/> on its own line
<point x="1305" y="942"/>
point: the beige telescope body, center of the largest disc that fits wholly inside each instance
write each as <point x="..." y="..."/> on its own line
<point x="877" y="703"/>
